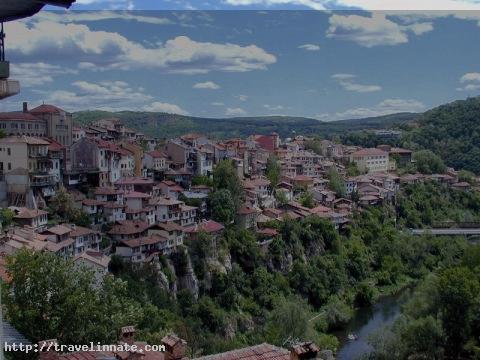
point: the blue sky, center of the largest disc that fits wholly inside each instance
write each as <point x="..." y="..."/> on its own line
<point x="327" y="65"/>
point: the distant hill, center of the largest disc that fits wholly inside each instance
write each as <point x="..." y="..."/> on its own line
<point x="168" y="125"/>
<point x="452" y="131"/>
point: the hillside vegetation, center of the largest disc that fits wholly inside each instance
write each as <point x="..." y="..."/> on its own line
<point x="169" y="125"/>
<point x="451" y="131"/>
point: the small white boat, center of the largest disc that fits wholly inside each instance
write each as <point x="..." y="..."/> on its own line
<point x="352" y="337"/>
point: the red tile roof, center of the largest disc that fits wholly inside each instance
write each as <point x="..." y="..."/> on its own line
<point x="257" y="352"/>
<point x="128" y="227"/>
<point x="148" y="240"/>
<point x="136" y="195"/>
<point x="42" y="109"/>
<point x="18" y="115"/>
<point x="208" y="226"/>
<point x="370" y="152"/>
<point x="157" y="154"/>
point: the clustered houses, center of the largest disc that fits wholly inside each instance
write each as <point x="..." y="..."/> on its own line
<point x="138" y="193"/>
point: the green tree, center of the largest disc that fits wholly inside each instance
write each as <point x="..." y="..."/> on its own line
<point x="222" y="206"/>
<point x="459" y="290"/>
<point x="49" y="297"/>
<point x="6" y="217"/>
<point x="281" y="198"/>
<point x="273" y="171"/>
<point x="225" y="177"/>
<point x="306" y="199"/>
<point x="428" y="162"/>
<point x="336" y="183"/>
<point x="289" y="320"/>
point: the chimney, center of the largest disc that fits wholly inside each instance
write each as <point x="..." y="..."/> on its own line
<point x="47" y="349"/>
<point x="304" y="351"/>
<point x="127" y="334"/>
<point x="175" y="348"/>
<point x="25" y="107"/>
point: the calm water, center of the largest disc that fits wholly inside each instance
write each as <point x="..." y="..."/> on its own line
<point x="365" y="322"/>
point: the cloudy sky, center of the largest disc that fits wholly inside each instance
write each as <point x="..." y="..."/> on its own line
<point x="325" y="64"/>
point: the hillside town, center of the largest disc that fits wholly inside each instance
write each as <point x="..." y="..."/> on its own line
<point x="140" y="198"/>
<point x="142" y="189"/>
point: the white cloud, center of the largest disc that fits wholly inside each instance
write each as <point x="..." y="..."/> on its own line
<point x="38" y="74"/>
<point x="314" y="4"/>
<point x="217" y="103"/>
<point x="165" y="107"/>
<point x="470" y="81"/>
<point x="310" y="47"/>
<point x="347" y="81"/>
<point x="106" y="95"/>
<point x="374" y="30"/>
<point x="370" y="4"/>
<point x="469" y="77"/>
<point x="88" y="16"/>
<point x="242" y="97"/>
<point x="209" y="85"/>
<point x="109" y="50"/>
<point x="235" y="112"/>
<point x="412" y="4"/>
<point x="274" y="107"/>
<point x="386" y="107"/>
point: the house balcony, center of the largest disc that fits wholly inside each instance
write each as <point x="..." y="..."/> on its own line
<point x="9" y="88"/>
<point x="40" y="180"/>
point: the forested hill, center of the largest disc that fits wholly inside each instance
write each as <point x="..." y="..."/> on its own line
<point x="451" y="131"/>
<point x="169" y="125"/>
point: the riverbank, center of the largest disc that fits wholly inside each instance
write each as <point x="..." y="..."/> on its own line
<point x="367" y="321"/>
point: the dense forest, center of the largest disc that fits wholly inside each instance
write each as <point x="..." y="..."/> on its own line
<point x="303" y="285"/>
<point x="451" y="131"/>
<point x="169" y="125"/>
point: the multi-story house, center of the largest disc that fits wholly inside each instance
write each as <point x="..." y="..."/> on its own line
<point x="167" y="209"/>
<point x="34" y="218"/>
<point x="155" y="160"/>
<point x="85" y="239"/>
<point x="25" y="164"/>
<point x="142" y="249"/>
<point x="109" y="194"/>
<point x="138" y="207"/>
<point x="260" y="188"/>
<point x="78" y="133"/>
<point x="58" y="122"/>
<point x="172" y="231"/>
<point x="22" y="123"/>
<point x="113" y="211"/>
<point x="128" y="229"/>
<point x="370" y="160"/>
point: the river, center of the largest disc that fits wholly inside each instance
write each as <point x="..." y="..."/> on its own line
<point x="367" y="321"/>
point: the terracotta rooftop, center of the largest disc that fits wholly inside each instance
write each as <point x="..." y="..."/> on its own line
<point x="24" y="140"/>
<point x="257" y="352"/>
<point x="148" y="240"/>
<point x="208" y="226"/>
<point x="42" y="109"/>
<point x="24" y="213"/>
<point x="370" y="152"/>
<point x="128" y="227"/>
<point x="136" y="195"/>
<point x="18" y="115"/>
<point x="59" y="230"/>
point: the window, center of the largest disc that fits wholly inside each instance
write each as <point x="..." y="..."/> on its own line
<point x="9" y="151"/>
<point x="9" y="166"/>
